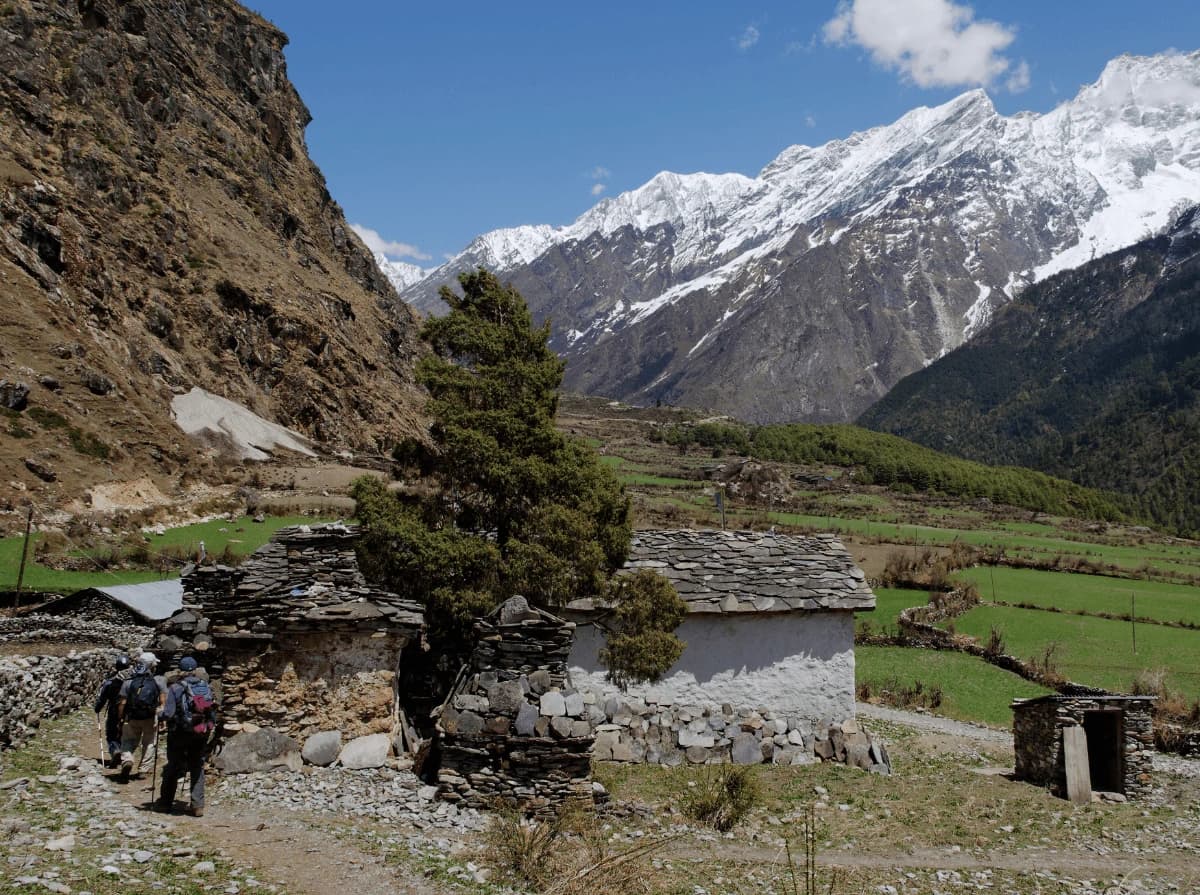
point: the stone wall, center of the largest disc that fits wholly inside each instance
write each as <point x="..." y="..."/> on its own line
<point x="301" y="684"/>
<point x="513" y="730"/>
<point x="34" y="688"/>
<point x="801" y="664"/>
<point x="1037" y="738"/>
<point x="637" y="731"/>
<point x="93" y="606"/>
<point x="53" y="629"/>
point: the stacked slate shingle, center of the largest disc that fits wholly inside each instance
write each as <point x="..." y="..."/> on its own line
<point x="751" y="571"/>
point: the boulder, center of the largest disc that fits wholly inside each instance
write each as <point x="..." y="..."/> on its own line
<point x="260" y="750"/>
<point x="553" y="704"/>
<point x="322" y="748"/>
<point x="506" y="697"/>
<point x="366" y="752"/>
<point x="40" y="469"/>
<point x="13" y="395"/>
<point x="527" y="716"/>
<point x="747" y="749"/>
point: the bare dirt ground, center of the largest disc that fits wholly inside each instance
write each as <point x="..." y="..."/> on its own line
<point x="947" y="822"/>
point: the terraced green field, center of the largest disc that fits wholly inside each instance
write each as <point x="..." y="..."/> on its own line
<point x="1091" y="593"/>
<point x="242" y="537"/>
<point x="972" y="690"/>
<point x="889" y="602"/>
<point x="1093" y="651"/>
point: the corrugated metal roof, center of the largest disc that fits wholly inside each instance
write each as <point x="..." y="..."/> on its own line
<point x="154" y="600"/>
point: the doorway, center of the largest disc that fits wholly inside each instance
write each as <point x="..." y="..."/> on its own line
<point x="1106" y="750"/>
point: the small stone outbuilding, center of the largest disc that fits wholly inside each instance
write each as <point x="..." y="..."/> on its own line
<point x="298" y="639"/>
<point x="513" y="730"/>
<point x="1119" y="732"/>
<point x="122" y="604"/>
<point x="770" y="622"/>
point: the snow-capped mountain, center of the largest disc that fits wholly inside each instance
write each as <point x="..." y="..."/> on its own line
<point x="809" y="290"/>
<point x="400" y="273"/>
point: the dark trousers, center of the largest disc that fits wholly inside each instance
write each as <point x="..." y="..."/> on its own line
<point x="185" y="755"/>
<point x="112" y="731"/>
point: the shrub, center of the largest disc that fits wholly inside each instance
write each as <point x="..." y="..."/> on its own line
<point x="724" y="797"/>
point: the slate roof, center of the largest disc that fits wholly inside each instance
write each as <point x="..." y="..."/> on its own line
<point x="751" y="571"/>
<point x="305" y="577"/>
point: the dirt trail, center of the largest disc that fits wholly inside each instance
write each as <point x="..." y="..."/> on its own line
<point x="299" y="853"/>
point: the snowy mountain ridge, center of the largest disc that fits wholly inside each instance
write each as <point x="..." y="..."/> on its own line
<point x="951" y="208"/>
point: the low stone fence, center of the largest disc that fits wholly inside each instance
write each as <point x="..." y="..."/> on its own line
<point x="55" y="629"/>
<point x="34" y="688"/>
<point x="640" y="732"/>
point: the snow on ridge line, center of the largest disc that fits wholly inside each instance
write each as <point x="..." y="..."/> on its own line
<point x="204" y="415"/>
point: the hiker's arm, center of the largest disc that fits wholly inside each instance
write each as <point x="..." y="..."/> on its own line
<point x="121" y="708"/>
<point x="167" y="710"/>
<point x="103" y="697"/>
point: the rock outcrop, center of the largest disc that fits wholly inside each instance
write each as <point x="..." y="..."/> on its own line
<point x="162" y="227"/>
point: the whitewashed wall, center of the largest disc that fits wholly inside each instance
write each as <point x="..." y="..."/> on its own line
<point x="794" y="663"/>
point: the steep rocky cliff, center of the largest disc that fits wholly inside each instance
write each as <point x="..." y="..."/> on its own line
<point x="162" y="227"/>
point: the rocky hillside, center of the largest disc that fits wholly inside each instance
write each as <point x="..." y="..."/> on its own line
<point x="809" y="290"/>
<point x="1092" y="375"/>
<point x="162" y="227"/>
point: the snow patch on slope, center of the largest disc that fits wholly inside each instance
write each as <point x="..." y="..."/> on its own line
<point x="207" y="416"/>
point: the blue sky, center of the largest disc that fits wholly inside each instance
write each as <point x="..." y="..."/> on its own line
<point x="434" y="122"/>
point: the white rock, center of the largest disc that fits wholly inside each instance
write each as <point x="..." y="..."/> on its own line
<point x="63" y="843"/>
<point x="552" y="704"/>
<point x="204" y="867"/>
<point x="366" y="752"/>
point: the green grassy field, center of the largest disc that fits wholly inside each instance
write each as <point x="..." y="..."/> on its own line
<point x="1093" y="651"/>
<point x="243" y="536"/>
<point x="1092" y="593"/>
<point x="889" y="602"/>
<point x="972" y="690"/>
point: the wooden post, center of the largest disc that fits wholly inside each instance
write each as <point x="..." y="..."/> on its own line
<point x="1133" y="620"/>
<point x="21" y="568"/>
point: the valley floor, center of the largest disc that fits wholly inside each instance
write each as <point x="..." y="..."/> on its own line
<point x="947" y="821"/>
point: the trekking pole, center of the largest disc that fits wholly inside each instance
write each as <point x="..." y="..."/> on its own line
<point x="154" y="767"/>
<point x="103" y="743"/>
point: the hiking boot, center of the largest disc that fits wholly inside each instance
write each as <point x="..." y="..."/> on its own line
<point x="196" y="810"/>
<point x="126" y="767"/>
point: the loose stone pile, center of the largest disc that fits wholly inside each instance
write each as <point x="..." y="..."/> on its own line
<point x="513" y="730"/>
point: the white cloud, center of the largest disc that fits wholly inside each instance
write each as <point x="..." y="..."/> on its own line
<point x="598" y="188"/>
<point x="810" y="121"/>
<point x="933" y="43"/>
<point x="599" y="173"/>
<point x="800" y="46"/>
<point x="381" y="246"/>
<point x="748" y="38"/>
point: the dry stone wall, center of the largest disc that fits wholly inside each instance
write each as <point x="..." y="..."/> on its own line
<point x="645" y="732"/>
<point x="513" y="730"/>
<point x="35" y="688"/>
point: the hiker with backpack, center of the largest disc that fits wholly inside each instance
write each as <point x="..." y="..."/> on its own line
<point x="142" y="698"/>
<point x="190" y="717"/>
<point x="110" y="697"/>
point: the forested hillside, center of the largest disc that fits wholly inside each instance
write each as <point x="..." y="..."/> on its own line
<point x="1092" y="375"/>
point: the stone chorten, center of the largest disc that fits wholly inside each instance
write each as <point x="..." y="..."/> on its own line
<point x="513" y="731"/>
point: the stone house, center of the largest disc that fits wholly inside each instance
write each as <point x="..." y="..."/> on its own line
<point x="1119" y="734"/>
<point x="770" y="622"/>
<point x="296" y="637"/>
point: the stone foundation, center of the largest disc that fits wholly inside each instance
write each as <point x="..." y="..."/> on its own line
<point x="1038" y="742"/>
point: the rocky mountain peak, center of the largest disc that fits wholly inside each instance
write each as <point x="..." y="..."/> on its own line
<point x="162" y="228"/>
